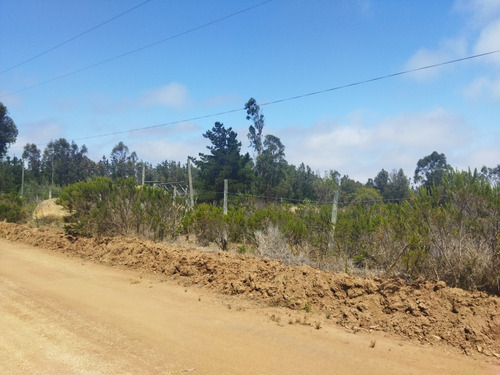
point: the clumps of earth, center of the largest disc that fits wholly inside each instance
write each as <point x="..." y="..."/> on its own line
<point x="427" y="311"/>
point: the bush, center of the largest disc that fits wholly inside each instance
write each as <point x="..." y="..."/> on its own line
<point x="102" y="207"/>
<point x="11" y="208"/>
<point x="449" y="232"/>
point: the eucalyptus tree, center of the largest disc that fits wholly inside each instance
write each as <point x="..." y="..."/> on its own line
<point x="255" y="130"/>
<point x="8" y="131"/>
<point x="431" y="169"/>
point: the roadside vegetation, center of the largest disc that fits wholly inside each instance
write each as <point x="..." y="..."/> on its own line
<point x="445" y="226"/>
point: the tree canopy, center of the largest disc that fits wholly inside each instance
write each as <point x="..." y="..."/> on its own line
<point x="431" y="169"/>
<point x="8" y="131"/>
<point x="255" y="130"/>
<point x="223" y="162"/>
<point x="267" y="175"/>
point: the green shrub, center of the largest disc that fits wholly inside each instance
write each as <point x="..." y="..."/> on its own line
<point x="11" y="208"/>
<point x="448" y="232"/>
<point x="103" y="207"/>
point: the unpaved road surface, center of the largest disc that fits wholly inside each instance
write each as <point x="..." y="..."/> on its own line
<point x="64" y="315"/>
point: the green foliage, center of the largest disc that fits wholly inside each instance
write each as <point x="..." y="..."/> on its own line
<point x="8" y="131"/>
<point x="208" y="225"/>
<point x="255" y="130"/>
<point x="122" y="163"/>
<point x="223" y="162"/>
<point x="11" y="208"/>
<point x="63" y="163"/>
<point x="448" y="231"/>
<point x="431" y="170"/>
<point x="103" y="207"/>
<point x="10" y="175"/>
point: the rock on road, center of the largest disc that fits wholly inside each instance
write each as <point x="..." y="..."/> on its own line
<point x="64" y="315"/>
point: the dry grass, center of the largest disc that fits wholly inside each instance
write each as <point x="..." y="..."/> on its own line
<point x="48" y="209"/>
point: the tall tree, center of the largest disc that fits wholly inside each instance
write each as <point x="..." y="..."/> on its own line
<point x="324" y="187"/>
<point x="381" y="181"/>
<point x="348" y="190"/>
<point x="10" y="175"/>
<point x="271" y="165"/>
<point x="398" y="186"/>
<point x="64" y="163"/>
<point x="431" y="170"/>
<point x="170" y="171"/>
<point x="8" y="131"/>
<point x="492" y="175"/>
<point x="392" y="186"/>
<point x="122" y="163"/>
<point x="302" y="184"/>
<point x="255" y="130"/>
<point x="33" y="155"/>
<point x="102" y="167"/>
<point x="223" y="162"/>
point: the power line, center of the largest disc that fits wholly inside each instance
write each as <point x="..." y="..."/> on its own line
<point x="379" y="78"/>
<point x="73" y="38"/>
<point x="160" y="125"/>
<point x="196" y="28"/>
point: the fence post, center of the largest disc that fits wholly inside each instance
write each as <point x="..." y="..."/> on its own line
<point x="224" y="231"/>
<point x="225" y="197"/>
<point x="22" y="179"/>
<point x="190" y="179"/>
<point x="333" y="220"/>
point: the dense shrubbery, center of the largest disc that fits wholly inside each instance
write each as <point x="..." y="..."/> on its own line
<point x="11" y="208"/>
<point x="449" y="232"/>
<point x="101" y="207"/>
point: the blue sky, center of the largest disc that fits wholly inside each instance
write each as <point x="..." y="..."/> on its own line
<point x="276" y="50"/>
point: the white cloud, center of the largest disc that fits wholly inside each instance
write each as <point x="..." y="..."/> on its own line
<point x="486" y="155"/>
<point x="436" y="127"/>
<point x="154" y="145"/>
<point x="489" y="40"/>
<point x="483" y="87"/>
<point x="39" y="133"/>
<point x="448" y="49"/>
<point x="479" y="11"/>
<point x="479" y="34"/>
<point x="362" y="150"/>
<point x="173" y="95"/>
<point x="160" y="150"/>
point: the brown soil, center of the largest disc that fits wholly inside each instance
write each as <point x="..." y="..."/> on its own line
<point x="427" y="312"/>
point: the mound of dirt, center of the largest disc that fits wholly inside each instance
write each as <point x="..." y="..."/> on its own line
<point x="427" y="311"/>
<point x="48" y="209"/>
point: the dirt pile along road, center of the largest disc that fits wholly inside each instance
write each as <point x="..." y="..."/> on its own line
<point x="425" y="311"/>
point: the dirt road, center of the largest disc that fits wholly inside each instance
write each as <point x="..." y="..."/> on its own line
<point x="62" y="315"/>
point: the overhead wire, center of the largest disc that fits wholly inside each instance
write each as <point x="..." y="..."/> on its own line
<point x="196" y="28"/>
<point x="382" y="77"/>
<point x="313" y="93"/>
<point x="74" y="37"/>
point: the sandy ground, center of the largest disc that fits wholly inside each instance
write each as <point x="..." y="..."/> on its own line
<point x="64" y="315"/>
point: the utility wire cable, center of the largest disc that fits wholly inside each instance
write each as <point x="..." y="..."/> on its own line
<point x="379" y="78"/>
<point x="160" y="125"/>
<point x="196" y="28"/>
<point x="74" y="37"/>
